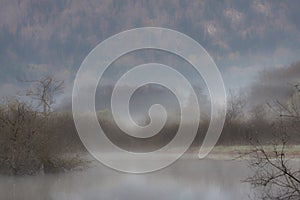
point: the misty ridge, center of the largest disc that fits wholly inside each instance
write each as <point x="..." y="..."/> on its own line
<point x="38" y="138"/>
<point x="74" y="27"/>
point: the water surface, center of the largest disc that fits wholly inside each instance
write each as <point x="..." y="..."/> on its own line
<point x="189" y="178"/>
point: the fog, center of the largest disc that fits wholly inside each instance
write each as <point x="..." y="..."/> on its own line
<point x="253" y="43"/>
<point x="188" y="178"/>
<point x="276" y="84"/>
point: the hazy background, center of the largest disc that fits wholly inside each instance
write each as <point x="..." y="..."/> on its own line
<point x="255" y="44"/>
<point x="244" y="38"/>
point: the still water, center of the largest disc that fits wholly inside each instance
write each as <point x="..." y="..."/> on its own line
<point x="189" y="178"/>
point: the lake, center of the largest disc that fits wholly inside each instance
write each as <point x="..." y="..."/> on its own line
<point x="188" y="178"/>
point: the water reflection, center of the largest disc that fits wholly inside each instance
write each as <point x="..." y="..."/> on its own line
<point x="188" y="179"/>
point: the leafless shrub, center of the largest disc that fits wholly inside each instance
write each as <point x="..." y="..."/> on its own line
<point x="21" y="136"/>
<point x="32" y="140"/>
<point x="275" y="174"/>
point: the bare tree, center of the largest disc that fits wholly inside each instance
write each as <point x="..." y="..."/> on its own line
<point x="276" y="176"/>
<point x="44" y="91"/>
<point x="275" y="173"/>
<point x="292" y="108"/>
<point x="234" y="127"/>
<point x="236" y="106"/>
